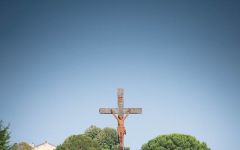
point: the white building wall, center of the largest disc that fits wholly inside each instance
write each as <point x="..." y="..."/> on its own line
<point x="44" y="146"/>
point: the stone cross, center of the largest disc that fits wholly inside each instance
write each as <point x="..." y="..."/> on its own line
<point x="122" y="115"/>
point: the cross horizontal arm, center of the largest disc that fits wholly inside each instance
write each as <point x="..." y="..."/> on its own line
<point x="107" y="110"/>
<point x="125" y="110"/>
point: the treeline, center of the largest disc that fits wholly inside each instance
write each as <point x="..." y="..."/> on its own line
<point x="95" y="138"/>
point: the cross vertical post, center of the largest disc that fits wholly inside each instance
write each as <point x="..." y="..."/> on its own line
<point x="122" y="115"/>
<point x="120" y="101"/>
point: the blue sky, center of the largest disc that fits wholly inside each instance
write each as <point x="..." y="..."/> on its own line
<point x="60" y="61"/>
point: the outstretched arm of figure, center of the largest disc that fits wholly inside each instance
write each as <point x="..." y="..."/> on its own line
<point x="127" y="114"/>
<point x="113" y="113"/>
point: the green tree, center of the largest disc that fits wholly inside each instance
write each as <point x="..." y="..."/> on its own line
<point x="79" y="142"/>
<point x="4" y="136"/>
<point x="108" y="138"/>
<point x="21" y="146"/>
<point x="92" y="131"/>
<point x="175" y="142"/>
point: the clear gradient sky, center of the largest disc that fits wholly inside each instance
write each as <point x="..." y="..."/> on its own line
<point x="60" y="61"/>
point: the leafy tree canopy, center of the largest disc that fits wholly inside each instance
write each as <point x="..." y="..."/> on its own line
<point x="94" y="138"/>
<point x="21" y="146"/>
<point x="4" y="136"/>
<point x="79" y="142"/>
<point x="92" y="132"/>
<point x="175" y="142"/>
<point x="108" y="138"/>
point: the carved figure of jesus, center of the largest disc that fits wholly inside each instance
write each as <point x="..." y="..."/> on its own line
<point x="121" y="129"/>
<point x="122" y="115"/>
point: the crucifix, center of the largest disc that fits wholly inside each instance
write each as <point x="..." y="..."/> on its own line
<point x="122" y="115"/>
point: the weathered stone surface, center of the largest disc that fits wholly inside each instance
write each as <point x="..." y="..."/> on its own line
<point x="125" y="110"/>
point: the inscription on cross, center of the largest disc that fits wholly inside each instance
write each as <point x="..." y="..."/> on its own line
<point x="122" y="115"/>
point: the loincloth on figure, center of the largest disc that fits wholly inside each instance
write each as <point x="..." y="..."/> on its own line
<point x="121" y="131"/>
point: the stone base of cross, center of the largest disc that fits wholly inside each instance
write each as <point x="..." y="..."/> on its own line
<point x="122" y="115"/>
